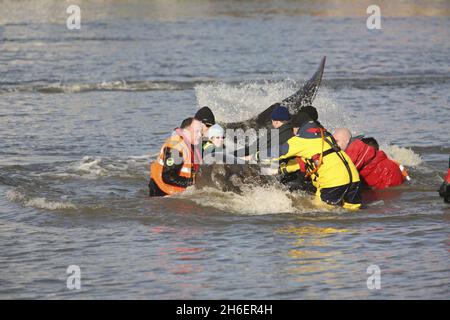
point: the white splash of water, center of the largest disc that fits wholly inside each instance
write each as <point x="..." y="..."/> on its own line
<point x="405" y="156"/>
<point x="253" y="201"/>
<point x="239" y="102"/>
<point x="94" y="167"/>
<point x="89" y="166"/>
<point x="38" y="202"/>
<point x="231" y="103"/>
<point x="331" y="114"/>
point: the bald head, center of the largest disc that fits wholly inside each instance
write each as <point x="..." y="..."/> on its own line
<point x="342" y="137"/>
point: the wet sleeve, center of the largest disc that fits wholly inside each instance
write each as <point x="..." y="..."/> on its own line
<point x="173" y="162"/>
<point x="289" y="149"/>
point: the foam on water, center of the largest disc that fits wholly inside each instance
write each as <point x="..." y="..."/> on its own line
<point x="89" y="166"/>
<point x="239" y="102"/>
<point x="38" y="202"/>
<point x="256" y="200"/>
<point x="93" y="167"/>
<point x="405" y="156"/>
<point x="121" y="85"/>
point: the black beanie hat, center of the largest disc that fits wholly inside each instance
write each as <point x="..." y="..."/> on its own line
<point x="311" y="111"/>
<point x="206" y="116"/>
<point x="300" y="119"/>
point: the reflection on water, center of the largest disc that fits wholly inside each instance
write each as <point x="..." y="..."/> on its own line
<point x="306" y="260"/>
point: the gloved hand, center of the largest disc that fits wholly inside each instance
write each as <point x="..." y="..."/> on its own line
<point x="283" y="170"/>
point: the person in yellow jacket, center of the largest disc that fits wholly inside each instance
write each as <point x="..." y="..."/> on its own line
<point x="178" y="160"/>
<point x="314" y="151"/>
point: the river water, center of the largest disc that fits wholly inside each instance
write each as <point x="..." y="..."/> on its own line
<point x="81" y="111"/>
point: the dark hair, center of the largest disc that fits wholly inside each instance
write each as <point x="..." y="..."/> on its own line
<point x="311" y="111"/>
<point x="371" y="142"/>
<point x="186" y="123"/>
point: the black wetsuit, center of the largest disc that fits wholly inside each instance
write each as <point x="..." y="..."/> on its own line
<point x="297" y="181"/>
<point x="444" y="191"/>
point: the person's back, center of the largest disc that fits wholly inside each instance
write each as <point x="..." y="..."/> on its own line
<point x="374" y="166"/>
<point x="360" y="153"/>
<point x="382" y="172"/>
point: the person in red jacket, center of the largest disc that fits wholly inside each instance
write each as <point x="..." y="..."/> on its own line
<point x="444" y="191"/>
<point x="374" y="166"/>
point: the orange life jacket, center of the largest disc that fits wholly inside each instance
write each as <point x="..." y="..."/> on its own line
<point x="187" y="170"/>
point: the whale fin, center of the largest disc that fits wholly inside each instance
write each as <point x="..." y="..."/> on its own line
<point x="304" y="96"/>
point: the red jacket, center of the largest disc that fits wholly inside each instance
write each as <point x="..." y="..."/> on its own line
<point x="375" y="168"/>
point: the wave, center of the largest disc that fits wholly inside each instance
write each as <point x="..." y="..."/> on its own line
<point x="93" y="167"/>
<point x="257" y="200"/>
<point x="405" y="156"/>
<point x="38" y="202"/>
<point x="121" y="85"/>
<point x="443" y="150"/>
<point x="70" y="38"/>
<point x="274" y="90"/>
<point x="254" y="201"/>
<point x="391" y="80"/>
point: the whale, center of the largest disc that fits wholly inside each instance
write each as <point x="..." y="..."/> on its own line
<point x="234" y="177"/>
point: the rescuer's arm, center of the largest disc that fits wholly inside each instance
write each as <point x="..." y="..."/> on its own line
<point x="290" y="149"/>
<point x="173" y="162"/>
<point x="289" y="166"/>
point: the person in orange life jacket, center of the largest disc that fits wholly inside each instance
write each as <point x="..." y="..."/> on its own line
<point x="444" y="190"/>
<point x="375" y="168"/>
<point x="332" y="172"/>
<point x="178" y="160"/>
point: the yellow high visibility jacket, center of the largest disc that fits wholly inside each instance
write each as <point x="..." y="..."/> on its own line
<point x="308" y="145"/>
